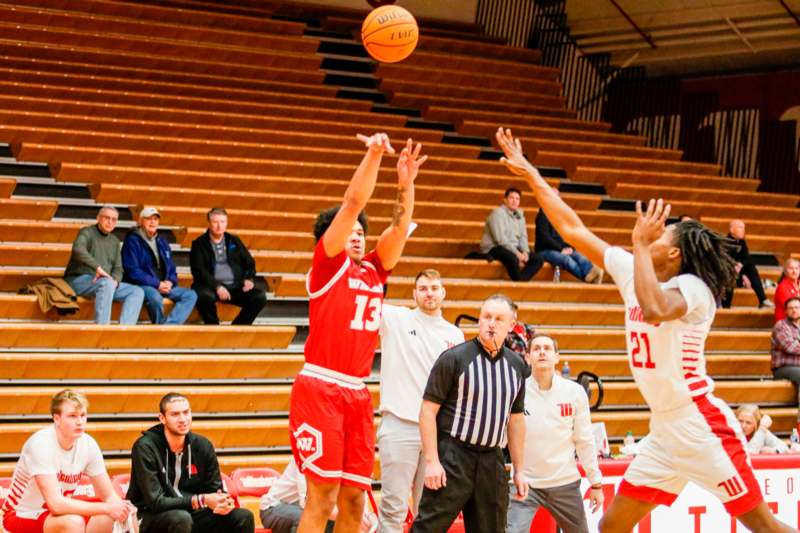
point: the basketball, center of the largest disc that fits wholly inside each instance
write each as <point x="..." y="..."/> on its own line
<point x="389" y="34"/>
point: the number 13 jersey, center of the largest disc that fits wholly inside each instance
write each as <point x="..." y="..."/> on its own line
<point x="344" y="311"/>
<point x="666" y="360"/>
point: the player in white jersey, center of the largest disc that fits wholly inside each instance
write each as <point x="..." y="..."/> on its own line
<point x="669" y="285"/>
<point x="48" y="471"/>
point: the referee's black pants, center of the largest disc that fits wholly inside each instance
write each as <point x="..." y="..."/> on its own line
<point x="477" y="483"/>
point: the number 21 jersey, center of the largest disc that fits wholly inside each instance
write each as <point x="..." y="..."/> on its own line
<point x="344" y="311"/>
<point x="667" y="360"/>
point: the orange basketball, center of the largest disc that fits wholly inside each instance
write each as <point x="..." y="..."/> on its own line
<point x="389" y="34"/>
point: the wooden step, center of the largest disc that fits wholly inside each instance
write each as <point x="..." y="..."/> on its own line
<point x="589" y="149"/>
<point x="92" y="336"/>
<point x="114" y="399"/>
<point x="162" y="196"/>
<point x="422" y="100"/>
<point x="171" y="100"/>
<point x="553" y="129"/>
<point x="128" y="25"/>
<point x="431" y="60"/>
<point x="7" y="186"/>
<point x="474" y="48"/>
<point x="543" y="117"/>
<point x="716" y="365"/>
<point x="14" y="278"/>
<point x="150" y="121"/>
<point x="65" y="365"/>
<point x="25" y="209"/>
<point x="570" y="162"/>
<point x="706" y="195"/>
<point x="734" y="392"/>
<point x="399" y="75"/>
<point x="212" y="19"/>
<point x="609" y="178"/>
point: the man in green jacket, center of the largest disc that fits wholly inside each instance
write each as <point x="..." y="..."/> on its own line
<point x="95" y="270"/>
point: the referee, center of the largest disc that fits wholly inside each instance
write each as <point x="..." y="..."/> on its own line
<point x="472" y="407"/>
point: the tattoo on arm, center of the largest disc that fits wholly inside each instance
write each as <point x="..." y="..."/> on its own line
<point x="399" y="208"/>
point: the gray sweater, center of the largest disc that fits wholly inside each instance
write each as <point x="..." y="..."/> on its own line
<point x="505" y="228"/>
<point x="93" y="248"/>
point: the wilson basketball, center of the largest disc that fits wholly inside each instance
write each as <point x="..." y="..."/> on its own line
<point x="389" y="34"/>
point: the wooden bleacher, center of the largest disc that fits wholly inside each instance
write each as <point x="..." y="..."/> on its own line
<point x="187" y="107"/>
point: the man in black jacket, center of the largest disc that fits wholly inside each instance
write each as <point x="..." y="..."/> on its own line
<point x="175" y="480"/>
<point x="224" y="270"/>
<point x="747" y="273"/>
<point x="552" y="248"/>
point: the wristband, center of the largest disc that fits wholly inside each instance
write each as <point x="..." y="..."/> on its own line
<point x="597" y="486"/>
<point x="202" y="499"/>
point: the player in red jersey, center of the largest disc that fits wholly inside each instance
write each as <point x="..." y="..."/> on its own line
<point x="331" y="413"/>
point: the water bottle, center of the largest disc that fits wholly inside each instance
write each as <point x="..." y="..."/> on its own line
<point x="628" y="440"/>
<point x="795" y="438"/>
<point x="557" y="274"/>
<point x="565" y="370"/>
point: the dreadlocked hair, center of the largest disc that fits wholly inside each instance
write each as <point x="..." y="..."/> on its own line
<point x="706" y="254"/>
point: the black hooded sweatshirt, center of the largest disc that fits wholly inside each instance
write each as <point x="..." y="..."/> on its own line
<point x="153" y="472"/>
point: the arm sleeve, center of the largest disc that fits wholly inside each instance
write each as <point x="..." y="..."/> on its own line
<point x="248" y="263"/>
<point x="619" y="264"/>
<point x="147" y="472"/>
<point x="172" y="272"/>
<point x="784" y="339"/>
<point x="41" y="457"/>
<point x="771" y="441"/>
<point x="584" y="439"/>
<point x="494" y="222"/>
<point x="519" y="402"/>
<point x="546" y="236"/>
<point x="700" y="305"/>
<point x="213" y="479"/>
<point x="441" y="379"/>
<point x="116" y="267"/>
<point x="523" y="238"/>
<point x="389" y="316"/>
<point x="131" y="261"/>
<point x="374" y="259"/>
<point x="200" y="273"/>
<point x="80" y="250"/>
<point x="324" y="268"/>
<point x="95" y="465"/>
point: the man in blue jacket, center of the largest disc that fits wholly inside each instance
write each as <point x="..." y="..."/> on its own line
<point x="147" y="262"/>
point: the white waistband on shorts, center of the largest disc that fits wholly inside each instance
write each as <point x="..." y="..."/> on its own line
<point x="332" y="376"/>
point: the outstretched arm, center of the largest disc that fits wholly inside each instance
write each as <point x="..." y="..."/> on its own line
<point x="658" y="305"/>
<point x="561" y="216"/>
<point x="357" y="194"/>
<point x="393" y="239"/>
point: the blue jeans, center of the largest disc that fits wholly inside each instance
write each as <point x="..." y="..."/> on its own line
<point x="574" y="263"/>
<point x="184" y="300"/>
<point x="104" y="293"/>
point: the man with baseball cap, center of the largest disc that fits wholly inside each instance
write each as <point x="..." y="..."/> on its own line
<point x="147" y="262"/>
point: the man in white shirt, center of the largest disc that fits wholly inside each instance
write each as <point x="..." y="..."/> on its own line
<point x="48" y="471"/>
<point x="557" y="420"/>
<point x="411" y="341"/>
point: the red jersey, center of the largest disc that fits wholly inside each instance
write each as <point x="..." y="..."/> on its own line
<point x="344" y="311"/>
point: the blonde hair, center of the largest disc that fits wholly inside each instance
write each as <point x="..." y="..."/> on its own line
<point x="750" y="409"/>
<point x="68" y="395"/>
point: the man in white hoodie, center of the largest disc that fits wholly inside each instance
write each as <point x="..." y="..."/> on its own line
<point x="411" y="341"/>
<point x="557" y="424"/>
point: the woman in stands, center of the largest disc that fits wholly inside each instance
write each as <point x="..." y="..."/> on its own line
<point x="755" y="427"/>
<point x="331" y="414"/>
<point x="669" y="286"/>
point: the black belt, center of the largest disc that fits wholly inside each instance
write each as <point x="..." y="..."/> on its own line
<point x="473" y="447"/>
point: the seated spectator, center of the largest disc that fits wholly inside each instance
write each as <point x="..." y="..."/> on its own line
<point x="224" y="271"/>
<point x="95" y="270"/>
<point x="175" y="479"/>
<point x="788" y="287"/>
<point x="48" y="471"/>
<point x="520" y="335"/>
<point x="755" y="427"/>
<point x="147" y="262"/>
<point x="552" y="248"/>
<point x="282" y="506"/>
<point x="786" y="346"/>
<point x="747" y="273"/>
<point x="505" y="238"/>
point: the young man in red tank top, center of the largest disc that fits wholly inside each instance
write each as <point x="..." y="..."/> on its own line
<point x="331" y="412"/>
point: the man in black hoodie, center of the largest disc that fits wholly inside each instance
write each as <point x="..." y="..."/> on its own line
<point x="175" y="480"/>
<point x="223" y="270"/>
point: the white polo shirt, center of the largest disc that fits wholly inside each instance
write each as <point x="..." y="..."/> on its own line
<point x="411" y="341"/>
<point x="557" y="425"/>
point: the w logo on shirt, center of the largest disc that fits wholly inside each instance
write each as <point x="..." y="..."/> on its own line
<point x="566" y="409"/>
<point x="733" y="486"/>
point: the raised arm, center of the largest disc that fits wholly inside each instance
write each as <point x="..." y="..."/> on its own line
<point x="561" y="216"/>
<point x="658" y="305"/>
<point x="393" y="239"/>
<point x="358" y="193"/>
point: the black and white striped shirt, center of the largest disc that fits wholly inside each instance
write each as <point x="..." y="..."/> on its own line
<point x="477" y="393"/>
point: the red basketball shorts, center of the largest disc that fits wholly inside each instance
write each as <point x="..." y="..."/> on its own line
<point x="331" y="426"/>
